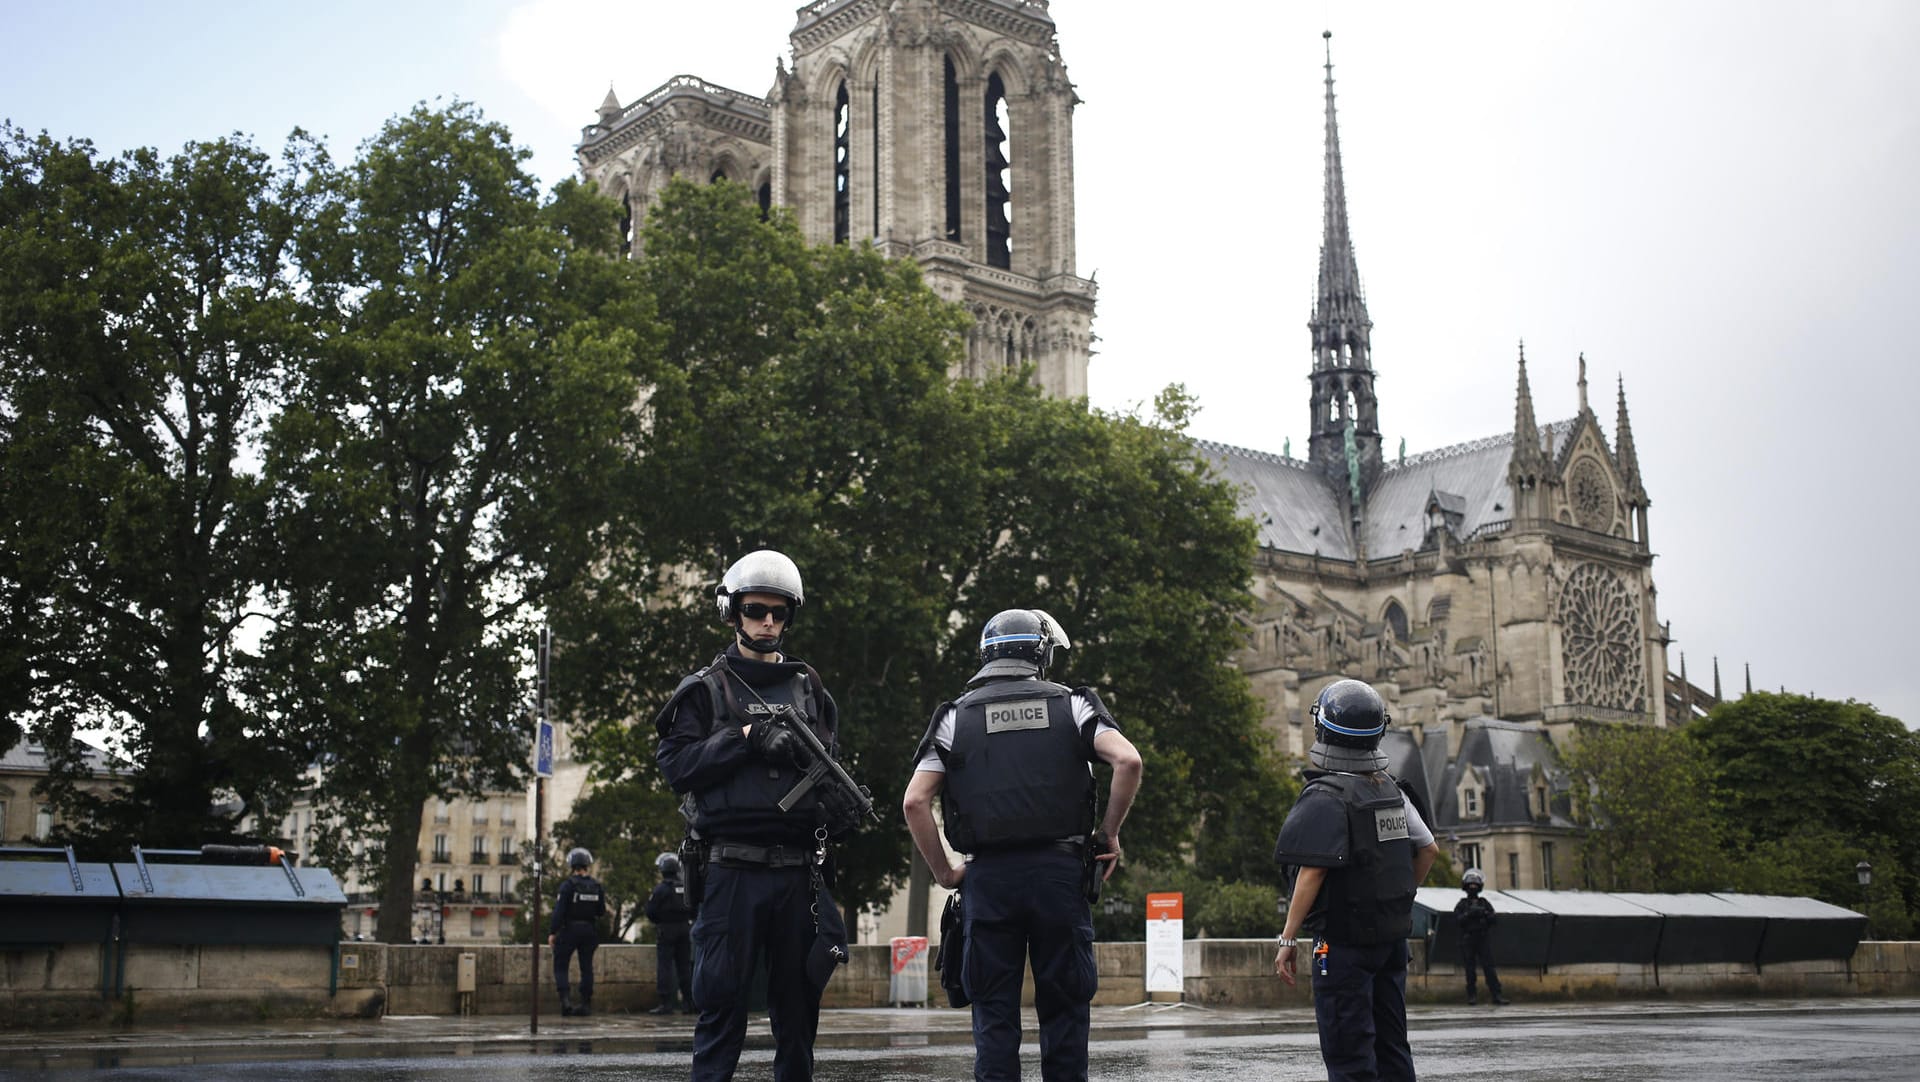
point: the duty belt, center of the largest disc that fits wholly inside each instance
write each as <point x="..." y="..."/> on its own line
<point x="1074" y="847"/>
<point x="769" y="856"/>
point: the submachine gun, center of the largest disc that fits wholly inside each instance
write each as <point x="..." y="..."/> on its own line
<point x="846" y="802"/>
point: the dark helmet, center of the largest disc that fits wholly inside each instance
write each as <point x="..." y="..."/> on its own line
<point x="667" y="864"/>
<point x="1473" y="880"/>
<point x="1349" y="718"/>
<point x="579" y="858"/>
<point x="762" y="571"/>
<point x="1019" y="643"/>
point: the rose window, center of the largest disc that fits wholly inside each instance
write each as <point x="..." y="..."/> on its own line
<point x="1600" y="640"/>
<point x="1592" y="496"/>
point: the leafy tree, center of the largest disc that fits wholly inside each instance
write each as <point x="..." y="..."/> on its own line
<point x="1813" y="786"/>
<point x="804" y="404"/>
<point x="1643" y="794"/>
<point x="153" y="310"/>
<point x="445" y="468"/>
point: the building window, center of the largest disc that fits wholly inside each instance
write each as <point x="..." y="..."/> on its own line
<point x="1396" y="618"/>
<point x="479" y="884"/>
<point x="480" y="849"/>
<point x="509" y="815"/>
<point x="441" y="854"/>
<point x="842" y="165"/>
<point x="480" y="814"/>
<point x="441" y="813"/>
<point x="953" y="152"/>
<point x="1471" y="803"/>
<point x="506" y="885"/>
<point x="478" y="926"/>
<point x="1540" y="801"/>
<point x="999" y="194"/>
<point x="1469" y="856"/>
<point x="1513" y="871"/>
<point x="1546" y="865"/>
<point x="764" y="197"/>
<point x="43" y="822"/>
<point x="441" y="883"/>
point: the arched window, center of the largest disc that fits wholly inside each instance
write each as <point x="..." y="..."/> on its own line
<point x="765" y="198"/>
<point x="953" y="152"/>
<point x="626" y="222"/>
<point x="999" y="198"/>
<point x="719" y="174"/>
<point x="842" y="165"/>
<point x="1396" y="618"/>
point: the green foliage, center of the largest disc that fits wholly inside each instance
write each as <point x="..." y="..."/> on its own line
<point x="1814" y="786"/>
<point x="152" y="310"/>
<point x="1644" y="795"/>
<point x="448" y="463"/>
<point x="621" y="825"/>
<point x="1216" y="908"/>
<point x="805" y="405"/>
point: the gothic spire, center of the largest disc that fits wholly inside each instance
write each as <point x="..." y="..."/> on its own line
<point x="609" y="105"/>
<point x="1526" y="433"/>
<point x="1345" y="440"/>
<point x="1623" y="445"/>
<point x="1716" y="678"/>
<point x="1338" y="304"/>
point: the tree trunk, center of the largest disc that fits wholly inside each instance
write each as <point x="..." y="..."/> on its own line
<point x="397" y="868"/>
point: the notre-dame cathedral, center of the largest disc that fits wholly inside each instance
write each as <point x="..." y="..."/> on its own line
<point x="1496" y="591"/>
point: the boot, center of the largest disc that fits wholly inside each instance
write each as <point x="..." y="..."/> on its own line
<point x="566" y="1004"/>
<point x="1473" y="999"/>
<point x="1499" y="1000"/>
<point x="665" y="1007"/>
<point x="583" y="1007"/>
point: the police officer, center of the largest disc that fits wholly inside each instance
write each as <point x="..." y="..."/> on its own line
<point x="764" y="892"/>
<point x="1354" y="848"/>
<point x="1476" y="919"/>
<point x="671" y="912"/>
<point x="1012" y="762"/>
<point x="580" y="904"/>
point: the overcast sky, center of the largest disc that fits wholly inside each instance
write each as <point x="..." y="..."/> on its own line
<point x="1718" y="202"/>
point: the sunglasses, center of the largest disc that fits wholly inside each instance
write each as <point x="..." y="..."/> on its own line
<point x="754" y="610"/>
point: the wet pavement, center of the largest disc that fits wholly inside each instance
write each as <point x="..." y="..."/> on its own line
<point x="1854" y="1039"/>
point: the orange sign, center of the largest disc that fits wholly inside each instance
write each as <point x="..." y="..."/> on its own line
<point x="1165" y="907"/>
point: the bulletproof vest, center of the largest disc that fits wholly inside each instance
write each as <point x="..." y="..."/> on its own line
<point x="1370" y="900"/>
<point x="1475" y="915"/>
<point x="1017" y="772"/>
<point x="674" y="907"/>
<point x="746" y="806"/>
<point x="588" y="900"/>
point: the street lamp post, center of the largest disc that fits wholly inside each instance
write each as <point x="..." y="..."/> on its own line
<point x="1864" y="872"/>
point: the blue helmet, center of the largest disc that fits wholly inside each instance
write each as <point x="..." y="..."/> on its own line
<point x="1349" y="718"/>
<point x="1019" y="643"/>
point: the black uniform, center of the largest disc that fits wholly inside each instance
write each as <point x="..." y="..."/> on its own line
<point x="581" y="902"/>
<point x="1355" y="826"/>
<point x="1476" y="918"/>
<point x="762" y="886"/>
<point x="672" y="915"/>
<point x="1018" y="797"/>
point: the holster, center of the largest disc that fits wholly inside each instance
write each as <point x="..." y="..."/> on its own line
<point x="1091" y="879"/>
<point x="693" y="869"/>
<point x="951" y="960"/>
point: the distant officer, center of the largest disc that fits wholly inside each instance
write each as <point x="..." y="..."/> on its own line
<point x="764" y="894"/>
<point x="582" y="901"/>
<point x="1354" y="848"/>
<point x="1476" y="919"/>
<point x="671" y="912"/>
<point x="1012" y="762"/>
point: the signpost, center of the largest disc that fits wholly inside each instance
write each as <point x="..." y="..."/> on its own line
<point x="542" y="770"/>
<point x="1166" y="952"/>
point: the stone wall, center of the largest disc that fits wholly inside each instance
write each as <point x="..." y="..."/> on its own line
<point x="62" y="986"/>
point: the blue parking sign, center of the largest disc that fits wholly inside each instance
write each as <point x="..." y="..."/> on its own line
<point x="543" y="748"/>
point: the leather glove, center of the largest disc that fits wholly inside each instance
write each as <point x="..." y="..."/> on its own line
<point x="774" y="743"/>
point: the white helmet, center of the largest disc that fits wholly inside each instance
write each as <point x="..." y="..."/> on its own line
<point x="762" y="571"/>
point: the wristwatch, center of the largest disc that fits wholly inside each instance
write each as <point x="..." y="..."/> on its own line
<point x="1285" y="942"/>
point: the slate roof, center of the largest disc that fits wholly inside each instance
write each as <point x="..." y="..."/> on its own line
<point x="1504" y="754"/>
<point x="1297" y="508"/>
<point x="28" y="757"/>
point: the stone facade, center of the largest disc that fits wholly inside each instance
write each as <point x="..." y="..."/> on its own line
<point x="936" y="130"/>
<point x="1496" y="591"/>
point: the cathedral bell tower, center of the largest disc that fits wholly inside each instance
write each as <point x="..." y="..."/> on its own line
<point x="942" y="131"/>
<point x="1345" y="412"/>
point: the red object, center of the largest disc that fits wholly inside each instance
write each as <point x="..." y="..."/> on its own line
<point x="479" y="910"/>
<point x="1165" y="906"/>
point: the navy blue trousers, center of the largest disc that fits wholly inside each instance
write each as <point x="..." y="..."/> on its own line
<point x="1477" y="950"/>
<point x="576" y="937"/>
<point x="1021" y="906"/>
<point x="1360" y="1001"/>
<point x="747" y="913"/>
<point x="673" y="962"/>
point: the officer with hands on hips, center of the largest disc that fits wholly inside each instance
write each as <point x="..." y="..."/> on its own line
<point x="1354" y="848"/>
<point x="764" y="893"/>
<point x="1011" y="760"/>
<point x="1476" y="918"/>
<point x="580" y="903"/>
<point x="671" y="912"/>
